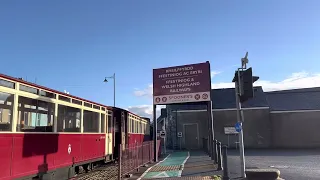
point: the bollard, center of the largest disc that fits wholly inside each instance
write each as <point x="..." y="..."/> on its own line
<point x="215" y="151"/>
<point x="225" y="163"/>
<point x="219" y="157"/>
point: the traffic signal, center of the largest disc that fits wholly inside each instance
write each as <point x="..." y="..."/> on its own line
<point x="245" y="84"/>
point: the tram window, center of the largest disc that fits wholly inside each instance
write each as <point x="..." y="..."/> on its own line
<point x="103" y="123"/>
<point x="136" y="127"/>
<point x="110" y="125"/>
<point x="87" y="105"/>
<point x="143" y="129"/>
<point x="34" y="115"/>
<point x="74" y="101"/>
<point x="96" y="107"/>
<point x="28" y="89"/>
<point x="128" y="125"/>
<point x="138" y="124"/>
<point x="6" y="83"/>
<point x="63" y="98"/>
<point x="6" y="111"/>
<point x="90" y="121"/>
<point x="47" y="94"/>
<point x="132" y="125"/>
<point x="68" y="119"/>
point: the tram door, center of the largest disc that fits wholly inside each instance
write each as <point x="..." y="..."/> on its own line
<point x="123" y="134"/>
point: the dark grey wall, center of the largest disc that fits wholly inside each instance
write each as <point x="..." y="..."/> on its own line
<point x="295" y="129"/>
<point x="194" y="117"/>
<point x="262" y="129"/>
<point x="257" y="127"/>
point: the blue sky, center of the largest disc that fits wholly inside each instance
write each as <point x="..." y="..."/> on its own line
<point x="72" y="45"/>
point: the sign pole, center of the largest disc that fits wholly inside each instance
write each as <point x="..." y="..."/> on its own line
<point x="165" y="138"/>
<point x="240" y="120"/>
<point x="155" y="134"/>
<point x="211" y="130"/>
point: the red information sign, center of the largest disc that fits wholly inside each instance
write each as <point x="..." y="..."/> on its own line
<point x="188" y="83"/>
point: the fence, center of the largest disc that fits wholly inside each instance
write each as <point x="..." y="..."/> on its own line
<point x="137" y="155"/>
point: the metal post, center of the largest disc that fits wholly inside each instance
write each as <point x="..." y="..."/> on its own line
<point x="210" y="152"/>
<point x="211" y="122"/>
<point x="240" y="120"/>
<point x="219" y="157"/>
<point x="215" y="156"/>
<point x="228" y="140"/>
<point x="211" y="129"/>
<point x="155" y="134"/>
<point x="119" y="165"/>
<point x="165" y="138"/>
<point x="225" y="163"/>
<point x="114" y="89"/>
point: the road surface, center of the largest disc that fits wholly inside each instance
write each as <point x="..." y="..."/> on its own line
<point x="293" y="164"/>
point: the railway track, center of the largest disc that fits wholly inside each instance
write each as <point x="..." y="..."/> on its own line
<point x="104" y="172"/>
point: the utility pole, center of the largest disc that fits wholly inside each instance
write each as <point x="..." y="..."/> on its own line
<point x="240" y="120"/>
<point x="243" y="80"/>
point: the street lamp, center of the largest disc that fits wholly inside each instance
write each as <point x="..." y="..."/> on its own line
<point x="114" y="87"/>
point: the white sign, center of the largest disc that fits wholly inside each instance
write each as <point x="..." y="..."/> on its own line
<point x="69" y="149"/>
<point x="230" y="130"/>
<point x="162" y="134"/>
<point x="180" y="134"/>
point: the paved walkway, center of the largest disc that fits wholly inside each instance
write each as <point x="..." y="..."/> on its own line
<point x="183" y="165"/>
<point x="199" y="164"/>
<point x="171" y="166"/>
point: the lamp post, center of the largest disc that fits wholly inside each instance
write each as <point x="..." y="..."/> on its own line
<point x="114" y="87"/>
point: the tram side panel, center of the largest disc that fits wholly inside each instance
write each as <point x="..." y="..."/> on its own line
<point x="5" y="155"/>
<point x="38" y="153"/>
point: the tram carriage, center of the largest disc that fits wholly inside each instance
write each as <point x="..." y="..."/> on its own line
<point x="49" y="134"/>
<point x="130" y="129"/>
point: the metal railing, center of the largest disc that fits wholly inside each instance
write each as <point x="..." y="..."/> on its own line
<point x="136" y="155"/>
<point x="220" y="156"/>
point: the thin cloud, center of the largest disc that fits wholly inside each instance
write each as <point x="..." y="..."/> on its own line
<point x="214" y="73"/>
<point x="145" y="110"/>
<point x="294" y="81"/>
<point x="148" y="91"/>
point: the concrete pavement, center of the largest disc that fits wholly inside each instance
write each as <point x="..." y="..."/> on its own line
<point x="294" y="164"/>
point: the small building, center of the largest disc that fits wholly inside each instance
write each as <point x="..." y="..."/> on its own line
<point x="295" y="118"/>
<point x="287" y="119"/>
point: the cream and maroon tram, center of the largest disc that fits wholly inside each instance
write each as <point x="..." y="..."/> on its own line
<point x="129" y="129"/>
<point x="46" y="133"/>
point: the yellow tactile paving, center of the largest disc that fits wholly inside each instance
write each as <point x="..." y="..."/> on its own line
<point x="165" y="168"/>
